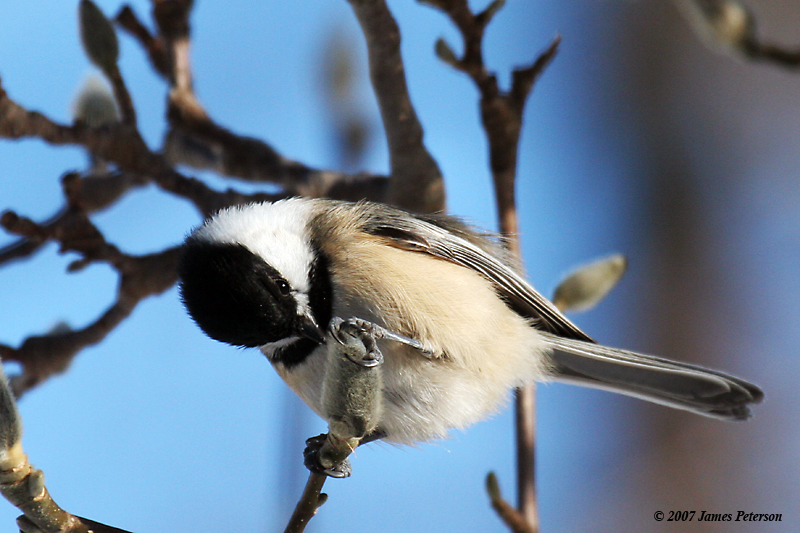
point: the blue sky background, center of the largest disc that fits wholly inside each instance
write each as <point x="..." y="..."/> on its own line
<point x="159" y="428"/>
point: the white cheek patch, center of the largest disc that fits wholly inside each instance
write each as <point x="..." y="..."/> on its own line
<point x="273" y="231"/>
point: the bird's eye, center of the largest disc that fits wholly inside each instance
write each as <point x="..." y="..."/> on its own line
<point x="283" y="287"/>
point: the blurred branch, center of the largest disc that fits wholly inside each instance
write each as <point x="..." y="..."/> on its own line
<point x="43" y="356"/>
<point x="203" y="144"/>
<point x="98" y="192"/>
<point x="194" y="138"/>
<point x="730" y="26"/>
<point x="153" y="45"/>
<point x="501" y="115"/>
<point x="117" y="143"/>
<point x="122" y="145"/>
<point x="416" y="181"/>
<point x="339" y="83"/>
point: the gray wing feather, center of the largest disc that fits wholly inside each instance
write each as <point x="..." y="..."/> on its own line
<point x="680" y="385"/>
<point x="449" y="239"/>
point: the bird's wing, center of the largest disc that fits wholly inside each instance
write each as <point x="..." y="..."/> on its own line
<point x="449" y="239"/>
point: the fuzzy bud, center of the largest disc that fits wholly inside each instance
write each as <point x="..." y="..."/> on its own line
<point x="98" y="36"/>
<point x="586" y="286"/>
<point x="726" y="23"/>
<point x="94" y="105"/>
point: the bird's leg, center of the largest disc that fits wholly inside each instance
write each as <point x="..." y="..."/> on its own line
<point x="351" y="397"/>
<point x="379" y="332"/>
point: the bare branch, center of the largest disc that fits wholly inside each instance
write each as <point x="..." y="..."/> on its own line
<point x="98" y="192"/>
<point x="771" y="53"/>
<point x="310" y="501"/>
<point x="122" y="145"/>
<point x="23" y="485"/>
<point x="45" y="356"/>
<point x="122" y="96"/>
<point x="511" y="517"/>
<point x="140" y="276"/>
<point x="194" y="139"/>
<point x="523" y="78"/>
<point x="156" y="50"/>
<point x="416" y="181"/>
<point x="117" y="143"/>
<point x="501" y="114"/>
<point x="525" y="435"/>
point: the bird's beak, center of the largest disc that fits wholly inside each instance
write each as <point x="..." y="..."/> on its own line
<point x="307" y="328"/>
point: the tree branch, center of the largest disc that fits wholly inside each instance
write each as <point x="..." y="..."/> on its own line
<point x="194" y="139"/>
<point x="501" y="115"/>
<point x="311" y="500"/>
<point x="23" y="485"/>
<point x="512" y="518"/>
<point x="416" y="181"/>
<point x="154" y="46"/>
<point x="43" y="356"/>
<point x="98" y="192"/>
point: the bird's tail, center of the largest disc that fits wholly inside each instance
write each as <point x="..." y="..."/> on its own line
<point x="679" y="385"/>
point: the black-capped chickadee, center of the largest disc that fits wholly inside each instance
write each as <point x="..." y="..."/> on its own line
<point x="471" y="328"/>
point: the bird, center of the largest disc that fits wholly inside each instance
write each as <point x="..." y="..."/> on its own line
<point x="455" y="324"/>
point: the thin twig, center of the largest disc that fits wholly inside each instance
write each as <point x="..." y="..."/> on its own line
<point x="128" y="21"/>
<point x="99" y="192"/>
<point x="512" y="518"/>
<point x="122" y="96"/>
<point x="43" y="356"/>
<point x="195" y="139"/>
<point x="123" y="146"/>
<point x="310" y="501"/>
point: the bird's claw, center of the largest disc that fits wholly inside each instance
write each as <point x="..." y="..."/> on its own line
<point x="313" y="459"/>
<point x="357" y="336"/>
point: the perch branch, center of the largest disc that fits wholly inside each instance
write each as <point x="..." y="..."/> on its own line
<point x="310" y="501"/>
